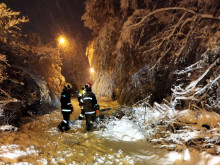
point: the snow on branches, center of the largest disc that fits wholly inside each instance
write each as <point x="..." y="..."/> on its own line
<point x="192" y="115"/>
<point x="202" y="91"/>
<point x="9" y="22"/>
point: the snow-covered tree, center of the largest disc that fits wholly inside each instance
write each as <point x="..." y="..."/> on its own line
<point x="149" y="42"/>
<point x="30" y="74"/>
<point x="10" y="23"/>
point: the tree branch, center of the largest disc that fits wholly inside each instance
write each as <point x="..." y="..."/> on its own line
<point x="206" y="16"/>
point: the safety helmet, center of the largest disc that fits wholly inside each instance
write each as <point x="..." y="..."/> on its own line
<point x="88" y="85"/>
<point x="68" y="86"/>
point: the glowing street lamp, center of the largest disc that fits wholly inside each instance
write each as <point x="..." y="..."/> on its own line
<point x="92" y="70"/>
<point x="91" y="73"/>
<point x="61" y="42"/>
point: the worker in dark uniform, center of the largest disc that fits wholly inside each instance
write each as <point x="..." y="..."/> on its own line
<point x="66" y="108"/>
<point x="89" y="104"/>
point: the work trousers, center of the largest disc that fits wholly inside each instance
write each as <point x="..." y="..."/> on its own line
<point x="66" y="116"/>
<point x="90" y="118"/>
<point x="65" y="122"/>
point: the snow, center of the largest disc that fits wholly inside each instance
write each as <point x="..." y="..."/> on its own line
<point x="76" y="124"/>
<point x="170" y="146"/>
<point x="123" y="129"/>
<point x="105" y="86"/>
<point x="210" y="118"/>
<point x="126" y="129"/>
<point x="22" y="163"/>
<point x="186" y="155"/>
<point x="146" y="115"/>
<point x="45" y="93"/>
<point x="210" y="159"/>
<point x="173" y="156"/>
<point x="117" y="157"/>
<point x="42" y="161"/>
<point x="179" y="138"/>
<point x="187" y="116"/>
<point x="143" y="121"/>
<point x="12" y="151"/>
<point x="4" y="128"/>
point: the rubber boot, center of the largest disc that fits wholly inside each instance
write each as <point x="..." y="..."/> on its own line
<point x="67" y="127"/>
<point x="80" y="117"/>
<point x="60" y="126"/>
<point x="87" y="127"/>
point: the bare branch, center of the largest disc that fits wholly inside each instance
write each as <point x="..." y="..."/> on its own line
<point x="206" y="16"/>
<point x="5" y="93"/>
<point x="194" y="83"/>
<point x="161" y="10"/>
<point x="8" y="101"/>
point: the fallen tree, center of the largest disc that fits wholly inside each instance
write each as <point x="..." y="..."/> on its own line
<point x="191" y="116"/>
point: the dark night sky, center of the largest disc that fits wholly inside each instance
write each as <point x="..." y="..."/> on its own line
<point x="49" y="18"/>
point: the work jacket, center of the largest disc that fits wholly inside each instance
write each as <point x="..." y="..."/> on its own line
<point x="89" y="102"/>
<point x="81" y="94"/>
<point x="66" y="105"/>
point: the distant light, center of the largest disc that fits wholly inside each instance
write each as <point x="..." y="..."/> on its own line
<point x="62" y="40"/>
<point x="92" y="70"/>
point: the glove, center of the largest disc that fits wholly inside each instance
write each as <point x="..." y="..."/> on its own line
<point x="97" y="112"/>
<point x="96" y="107"/>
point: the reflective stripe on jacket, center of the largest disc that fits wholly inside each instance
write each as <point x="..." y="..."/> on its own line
<point x="89" y="101"/>
<point x="66" y="110"/>
<point x="87" y="113"/>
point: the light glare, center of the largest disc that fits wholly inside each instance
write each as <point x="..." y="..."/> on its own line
<point x="62" y="40"/>
<point x="92" y="70"/>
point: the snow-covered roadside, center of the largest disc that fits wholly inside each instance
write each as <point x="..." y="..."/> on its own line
<point x="145" y="123"/>
<point x="191" y="116"/>
<point x="8" y="128"/>
<point x="13" y="152"/>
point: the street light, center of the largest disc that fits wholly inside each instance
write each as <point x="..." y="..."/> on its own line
<point x="92" y="70"/>
<point x="91" y="74"/>
<point x="61" y="42"/>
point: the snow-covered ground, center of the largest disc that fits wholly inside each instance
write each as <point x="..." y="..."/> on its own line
<point x="10" y="128"/>
<point x="117" y="130"/>
<point x="13" y="151"/>
<point x="120" y="141"/>
<point x="142" y="124"/>
<point x="123" y="129"/>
